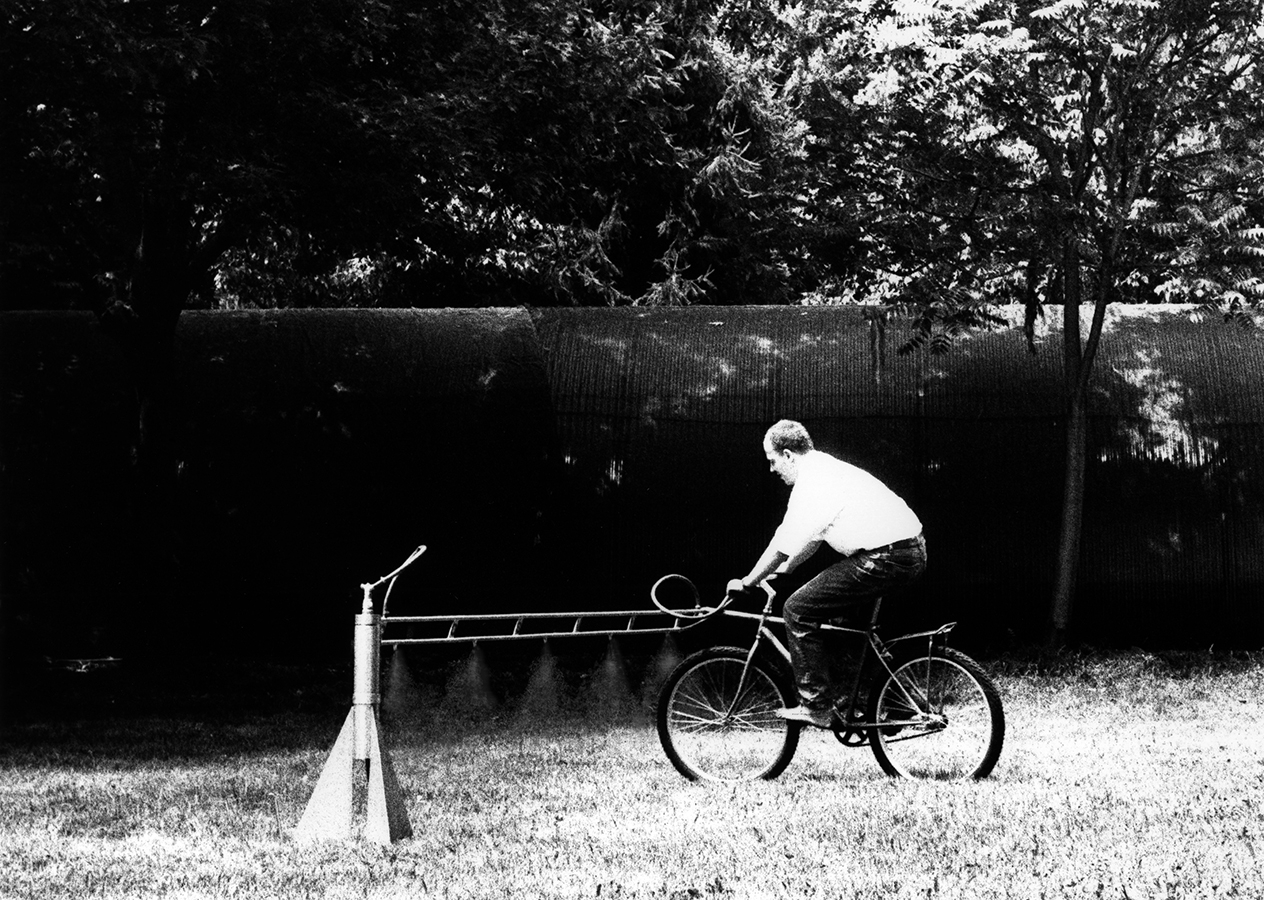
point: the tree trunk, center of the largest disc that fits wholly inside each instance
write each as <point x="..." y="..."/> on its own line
<point x="1072" y="519"/>
<point x="1076" y="441"/>
<point x="144" y="324"/>
<point x="1078" y="358"/>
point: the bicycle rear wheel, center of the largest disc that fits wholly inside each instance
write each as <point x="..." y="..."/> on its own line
<point x="939" y="717"/>
<point x="717" y="717"/>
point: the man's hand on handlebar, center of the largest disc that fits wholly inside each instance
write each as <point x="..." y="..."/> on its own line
<point x="738" y="588"/>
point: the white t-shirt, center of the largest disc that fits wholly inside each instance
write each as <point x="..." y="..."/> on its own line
<point x="843" y="505"/>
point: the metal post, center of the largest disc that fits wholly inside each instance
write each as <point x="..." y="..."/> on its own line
<point x="365" y="695"/>
<point x="329" y="812"/>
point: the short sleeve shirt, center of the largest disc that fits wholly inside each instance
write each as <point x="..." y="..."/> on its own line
<point x="844" y="506"/>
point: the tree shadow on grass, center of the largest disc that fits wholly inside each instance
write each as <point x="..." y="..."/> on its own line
<point x="196" y="708"/>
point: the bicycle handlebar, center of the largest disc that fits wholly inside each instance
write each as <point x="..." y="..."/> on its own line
<point x="698" y="611"/>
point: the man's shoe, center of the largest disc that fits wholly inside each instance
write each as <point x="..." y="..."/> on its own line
<point x="821" y="718"/>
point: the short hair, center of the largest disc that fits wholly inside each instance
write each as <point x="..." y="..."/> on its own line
<point x="789" y="435"/>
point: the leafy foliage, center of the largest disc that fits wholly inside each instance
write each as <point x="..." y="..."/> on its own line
<point x="454" y="153"/>
<point x="369" y="152"/>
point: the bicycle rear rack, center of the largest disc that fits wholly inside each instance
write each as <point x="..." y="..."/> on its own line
<point x="521" y="626"/>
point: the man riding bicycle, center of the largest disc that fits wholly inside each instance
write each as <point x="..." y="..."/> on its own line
<point x="848" y="538"/>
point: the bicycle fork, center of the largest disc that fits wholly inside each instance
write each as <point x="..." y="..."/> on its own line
<point x="762" y="633"/>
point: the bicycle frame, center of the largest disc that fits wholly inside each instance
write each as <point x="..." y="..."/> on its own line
<point x="930" y="711"/>
<point x="874" y="647"/>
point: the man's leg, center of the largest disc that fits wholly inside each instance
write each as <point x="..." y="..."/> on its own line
<point x="824" y="597"/>
<point x="844" y="590"/>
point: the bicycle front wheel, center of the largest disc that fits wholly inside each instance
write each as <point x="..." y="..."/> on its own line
<point x="938" y="716"/>
<point x="717" y="717"/>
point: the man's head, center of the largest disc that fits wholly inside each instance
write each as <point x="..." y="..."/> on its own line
<point x="785" y="444"/>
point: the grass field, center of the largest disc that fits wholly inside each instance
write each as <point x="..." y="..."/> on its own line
<point x="1123" y="776"/>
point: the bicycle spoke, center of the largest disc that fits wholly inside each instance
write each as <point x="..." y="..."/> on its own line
<point x="937" y="717"/>
<point x="717" y="720"/>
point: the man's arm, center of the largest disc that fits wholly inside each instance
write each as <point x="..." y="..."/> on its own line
<point x="771" y="560"/>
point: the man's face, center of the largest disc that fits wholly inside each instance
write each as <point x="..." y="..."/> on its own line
<point x="784" y="464"/>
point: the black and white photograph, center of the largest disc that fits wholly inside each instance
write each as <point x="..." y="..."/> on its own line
<point x="664" y="449"/>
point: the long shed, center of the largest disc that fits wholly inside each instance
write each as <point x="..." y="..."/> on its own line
<point x="567" y="457"/>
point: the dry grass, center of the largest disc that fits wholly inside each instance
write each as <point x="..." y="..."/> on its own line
<point x="1130" y="776"/>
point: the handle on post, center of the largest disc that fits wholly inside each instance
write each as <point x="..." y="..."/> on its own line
<point x="368" y="586"/>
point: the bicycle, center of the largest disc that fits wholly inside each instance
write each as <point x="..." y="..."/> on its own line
<point x="932" y="711"/>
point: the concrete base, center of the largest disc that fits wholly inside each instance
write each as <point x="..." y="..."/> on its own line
<point x="330" y="811"/>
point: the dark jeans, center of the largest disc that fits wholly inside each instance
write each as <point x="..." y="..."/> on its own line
<point x="841" y="589"/>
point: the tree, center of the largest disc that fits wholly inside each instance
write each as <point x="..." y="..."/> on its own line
<point x="1083" y="152"/>
<point x="145" y="139"/>
<point x="367" y="151"/>
<point x="165" y="155"/>
<point x="1127" y="108"/>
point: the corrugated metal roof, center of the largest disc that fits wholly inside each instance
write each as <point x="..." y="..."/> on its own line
<point x="757" y="363"/>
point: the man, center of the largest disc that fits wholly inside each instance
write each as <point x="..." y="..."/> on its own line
<point x="855" y="539"/>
